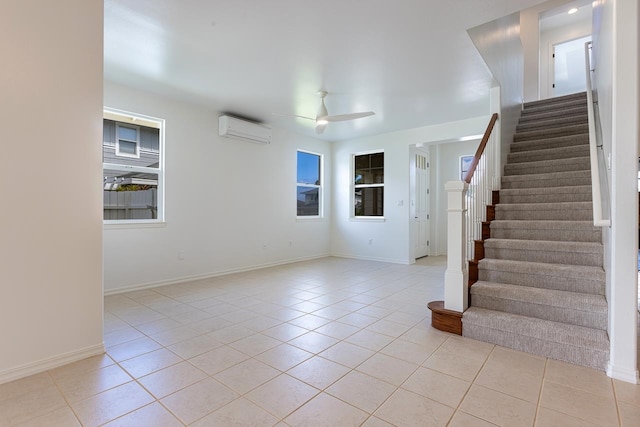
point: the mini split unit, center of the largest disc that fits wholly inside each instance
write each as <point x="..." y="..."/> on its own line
<point x="232" y="127"/>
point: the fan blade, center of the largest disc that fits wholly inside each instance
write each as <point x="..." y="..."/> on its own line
<point x="350" y="116"/>
<point x="294" y="115"/>
<point x="320" y="129"/>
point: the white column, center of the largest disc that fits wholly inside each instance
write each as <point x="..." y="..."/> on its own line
<point x="456" y="296"/>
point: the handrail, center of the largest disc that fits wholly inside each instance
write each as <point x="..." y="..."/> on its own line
<point x="480" y="150"/>
<point x="596" y="193"/>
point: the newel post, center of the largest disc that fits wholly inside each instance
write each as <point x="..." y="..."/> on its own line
<point x="456" y="277"/>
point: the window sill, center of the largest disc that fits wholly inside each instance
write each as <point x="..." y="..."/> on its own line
<point x="117" y="225"/>
<point x="309" y="218"/>
<point x="367" y="219"/>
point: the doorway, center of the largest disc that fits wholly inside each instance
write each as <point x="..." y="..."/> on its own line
<point x="568" y="67"/>
<point x="420" y="205"/>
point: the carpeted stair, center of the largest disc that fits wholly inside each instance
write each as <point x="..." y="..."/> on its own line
<point x="541" y="284"/>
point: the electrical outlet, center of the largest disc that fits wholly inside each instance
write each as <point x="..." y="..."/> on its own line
<point x="180" y="255"/>
<point x="371" y="241"/>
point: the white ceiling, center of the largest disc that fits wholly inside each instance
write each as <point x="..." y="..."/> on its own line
<point x="410" y="61"/>
<point x="559" y="16"/>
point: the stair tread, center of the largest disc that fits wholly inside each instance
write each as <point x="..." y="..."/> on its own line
<point x="577" y="163"/>
<point x="571" y="189"/>
<point x="543" y="268"/>
<point x="549" y="162"/>
<point x="556" y="99"/>
<point x="544" y="206"/>
<point x="543" y="224"/>
<point x="541" y="296"/>
<point x="565" y="131"/>
<point x="554" y="106"/>
<point x="552" y="122"/>
<point x="545" y="245"/>
<point x="567" y="112"/>
<point x="547" y="175"/>
<point x="557" y="141"/>
<point x="562" y="333"/>
<point x="515" y="157"/>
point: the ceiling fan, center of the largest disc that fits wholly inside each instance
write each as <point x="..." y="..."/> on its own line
<point x="323" y="118"/>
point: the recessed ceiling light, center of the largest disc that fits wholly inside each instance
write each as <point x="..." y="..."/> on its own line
<point x="572" y="10"/>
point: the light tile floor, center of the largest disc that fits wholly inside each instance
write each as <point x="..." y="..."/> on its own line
<point x="330" y="342"/>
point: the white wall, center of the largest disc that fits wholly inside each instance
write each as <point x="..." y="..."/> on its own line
<point x="391" y="238"/>
<point x="617" y="73"/>
<point x="230" y="205"/>
<point x="50" y="181"/>
<point x="547" y="40"/>
<point x="500" y="46"/>
<point x="447" y="166"/>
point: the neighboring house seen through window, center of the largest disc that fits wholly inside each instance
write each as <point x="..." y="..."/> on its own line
<point x="309" y="187"/>
<point x="132" y="165"/>
<point x="368" y="184"/>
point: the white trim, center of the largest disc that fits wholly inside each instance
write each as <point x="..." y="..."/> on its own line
<point x="115" y="224"/>
<point x="183" y="279"/>
<point x="50" y="363"/>
<point x="368" y="218"/>
<point x="367" y="258"/>
<point x="622" y="374"/>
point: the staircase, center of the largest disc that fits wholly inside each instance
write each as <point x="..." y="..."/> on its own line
<point x="541" y="283"/>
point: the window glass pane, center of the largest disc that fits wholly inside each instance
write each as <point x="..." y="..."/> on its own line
<point x="369" y="169"/>
<point x="130" y="195"/>
<point x="369" y="201"/>
<point x="308" y="201"/>
<point x="377" y="160"/>
<point x="127" y="133"/>
<point x="126" y="147"/>
<point x="308" y="168"/>
<point x="362" y="162"/>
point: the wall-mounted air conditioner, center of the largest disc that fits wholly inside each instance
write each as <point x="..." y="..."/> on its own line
<point x="232" y="127"/>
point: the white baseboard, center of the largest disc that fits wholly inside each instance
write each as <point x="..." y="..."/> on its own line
<point x="366" y="258"/>
<point x="626" y="375"/>
<point x="173" y="281"/>
<point x="50" y="363"/>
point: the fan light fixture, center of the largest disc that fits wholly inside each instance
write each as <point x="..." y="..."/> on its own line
<point x="323" y="118"/>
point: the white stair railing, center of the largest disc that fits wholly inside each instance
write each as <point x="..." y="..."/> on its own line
<point x="467" y="201"/>
<point x="483" y="178"/>
<point x="594" y="149"/>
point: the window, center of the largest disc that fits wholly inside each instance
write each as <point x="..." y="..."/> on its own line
<point x="309" y="187"/>
<point x="465" y="164"/>
<point x="368" y="184"/>
<point x="127" y="140"/>
<point x="132" y="166"/>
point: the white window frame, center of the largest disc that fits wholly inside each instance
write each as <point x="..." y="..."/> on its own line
<point x="355" y="186"/>
<point x="129" y="117"/>
<point x="320" y="187"/>
<point x="136" y="155"/>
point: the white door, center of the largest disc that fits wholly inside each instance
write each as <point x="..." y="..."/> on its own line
<point x="569" y="75"/>
<point x="421" y="204"/>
